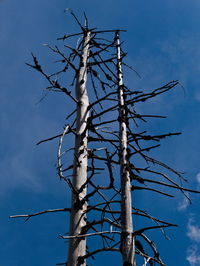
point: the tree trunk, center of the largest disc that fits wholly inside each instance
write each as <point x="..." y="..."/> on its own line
<point x="77" y="246"/>
<point x="127" y="240"/>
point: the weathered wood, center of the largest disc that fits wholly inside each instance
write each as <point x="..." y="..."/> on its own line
<point x="127" y="239"/>
<point x="77" y="246"/>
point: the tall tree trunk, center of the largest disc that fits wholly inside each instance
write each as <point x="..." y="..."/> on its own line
<point x="77" y="246"/>
<point x="127" y="240"/>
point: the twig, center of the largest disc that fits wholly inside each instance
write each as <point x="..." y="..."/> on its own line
<point x="152" y="189"/>
<point x="91" y="234"/>
<point x="28" y="216"/>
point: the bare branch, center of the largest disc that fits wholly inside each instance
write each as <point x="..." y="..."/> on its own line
<point x="99" y="250"/>
<point x="28" y="216"/>
<point x="153" y="247"/>
<point x="91" y="234"/>
<point x="152" y="189"/>
<point x="140" y="231"/>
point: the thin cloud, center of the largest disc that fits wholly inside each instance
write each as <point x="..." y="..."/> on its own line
<point x="193" y="231"/>
<point x="193" y="257"/>
<point x="198" y="180"/>
<point x="182" y="206"/>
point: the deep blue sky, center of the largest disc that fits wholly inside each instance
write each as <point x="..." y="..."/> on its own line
<point x="163" y="43"/>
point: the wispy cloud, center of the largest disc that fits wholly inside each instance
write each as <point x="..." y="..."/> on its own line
<point x="193" y="257"/>
<point x="198" y="180"/>
<point x="182" y="206"/>
<point x="193" y="231"/>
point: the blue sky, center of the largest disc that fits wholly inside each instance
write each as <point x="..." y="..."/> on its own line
<point x="163" y="43"/>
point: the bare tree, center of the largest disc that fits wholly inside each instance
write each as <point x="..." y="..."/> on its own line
<point x="77" y="247"/>
<point x="127" y="239"/>
<point x="111" y="161"/>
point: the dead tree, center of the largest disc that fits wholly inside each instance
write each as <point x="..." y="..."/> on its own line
<point x="127" y="239"/>
<point x="77" y="247"/>
<point x="111" y="160"/>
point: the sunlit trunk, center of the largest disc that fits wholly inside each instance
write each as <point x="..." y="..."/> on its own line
<point x="127" y="240"/>
<point x="77" y="246"/>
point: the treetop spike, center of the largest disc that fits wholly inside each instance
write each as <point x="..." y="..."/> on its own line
<point x="75" y="17"/>
<point x="86" y="21"/>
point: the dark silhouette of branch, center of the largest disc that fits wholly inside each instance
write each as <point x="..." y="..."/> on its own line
<point x="152" y="189"/>
<point x="28" y="216"/>
<point x="110" y="161"/>
<point x="91" y="234"/>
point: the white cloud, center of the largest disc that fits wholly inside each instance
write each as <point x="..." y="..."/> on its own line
<point x="198" y="180"/>
<point x="193" y="257"/>
<point x="193" y="231"/>
<point x="182" y="206"/>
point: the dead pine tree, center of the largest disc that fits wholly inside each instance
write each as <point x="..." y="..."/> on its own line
<point x="127" y="239"/>
<point x="111" y="152"/>
<point x="77" y="247"/>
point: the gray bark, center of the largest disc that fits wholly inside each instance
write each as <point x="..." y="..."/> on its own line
<point x="77" y="246"/>
<point x="127" y="240"/>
